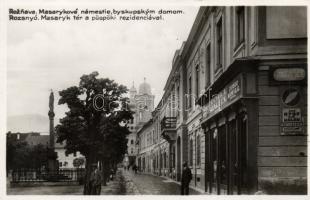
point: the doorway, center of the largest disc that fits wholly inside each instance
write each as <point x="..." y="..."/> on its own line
<point x="179" y="159"/>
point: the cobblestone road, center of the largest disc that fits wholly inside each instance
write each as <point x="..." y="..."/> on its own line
<point x="151" y="185"/>
<point x="125" y="183"/>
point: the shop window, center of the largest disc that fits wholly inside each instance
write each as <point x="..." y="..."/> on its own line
<point x="191" y="152"/>
<point x="198" y="151"/>
<point x="219" y="46"/>
<point x="222" y="154"/>
<point x="240" y="24"/>
<point x="214" y="153"/>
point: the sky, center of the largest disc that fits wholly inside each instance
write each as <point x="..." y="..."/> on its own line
<point x="53" y="55"/>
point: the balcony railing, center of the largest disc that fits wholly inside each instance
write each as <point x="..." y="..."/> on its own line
<point x="168" y="123"/>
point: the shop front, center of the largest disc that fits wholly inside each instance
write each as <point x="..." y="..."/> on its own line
<point x="230" y="124"/>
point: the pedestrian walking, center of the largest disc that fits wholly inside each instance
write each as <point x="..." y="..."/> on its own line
<point x="135" y="168"/>
<point x="186" y="179"/>
<point x="95" y="180"/>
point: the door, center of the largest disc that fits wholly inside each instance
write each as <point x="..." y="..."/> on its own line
<point x="213" y="160"/>
<point x="222" y="163"/>
<point x="238" y="154"/>
<point x="179" y="159"/>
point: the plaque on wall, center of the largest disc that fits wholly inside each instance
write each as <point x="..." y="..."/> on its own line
<point x="292" y="122"/>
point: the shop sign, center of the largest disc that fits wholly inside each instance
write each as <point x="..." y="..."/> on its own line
<point x="291" y="116"/>
<point x="289" y="74"/>
<point x="225" y="97"/>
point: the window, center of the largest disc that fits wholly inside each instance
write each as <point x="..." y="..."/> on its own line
<point x="197" y="81"/>
<point x="208" y="65"/>
<point x="198" y="150"/>
<point x="219" y="45"/>
<point x="65" y="164"/>
<point x="131" y="150"/>
<point x="74" y="154"/>
<point x="164" y="159"/>
<point x="191" y="152"/>
<point x="240" y="23"/>
<point x="178" y="101"/>
<point x="60" y="164"/>
<point x="131" y="141"/>
<point x="190" y="92"/>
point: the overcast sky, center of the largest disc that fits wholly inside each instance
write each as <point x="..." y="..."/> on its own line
<point x="44" y="56"/>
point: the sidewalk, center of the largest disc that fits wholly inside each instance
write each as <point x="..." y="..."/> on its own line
<point x="115" y="187"/>
<point x="131" y="188"/>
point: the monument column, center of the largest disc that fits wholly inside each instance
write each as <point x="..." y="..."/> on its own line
<point x="51" y="116"/>
<point x="52" y="155"/>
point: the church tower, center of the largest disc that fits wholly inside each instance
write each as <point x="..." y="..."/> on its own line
<point x="142" y="104"/>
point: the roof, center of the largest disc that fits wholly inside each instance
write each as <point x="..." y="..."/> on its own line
<point x="22" y="136"/>
<point x="38" y="139"/>
<point x="146" y="125"/>
<point x="145" y="88"/>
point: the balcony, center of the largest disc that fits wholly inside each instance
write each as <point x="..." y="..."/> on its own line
<point x="168" y="128"/>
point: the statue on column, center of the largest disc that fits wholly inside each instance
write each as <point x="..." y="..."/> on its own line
<point x="51" y="113"/>
<point x="51" y="101"/>
<point x="52" y="156"/>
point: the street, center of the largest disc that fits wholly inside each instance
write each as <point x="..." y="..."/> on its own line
<point x="154" y="185"/>
<point x="125" y="183"/>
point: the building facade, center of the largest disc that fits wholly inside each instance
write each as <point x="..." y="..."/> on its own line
<point x="142" y="104"/>
<point x="234" y="106"/>
<point x="65" y="161"/>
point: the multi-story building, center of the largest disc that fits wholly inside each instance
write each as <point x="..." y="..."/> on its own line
<point x="239" y="83"/>
<point x="142" y="104"/>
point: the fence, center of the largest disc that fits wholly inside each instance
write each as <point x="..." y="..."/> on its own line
<point x="35" y="175"/>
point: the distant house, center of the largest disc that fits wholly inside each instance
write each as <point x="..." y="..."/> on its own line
<point x="66" y="160"/>
<point x="32" y="138"/>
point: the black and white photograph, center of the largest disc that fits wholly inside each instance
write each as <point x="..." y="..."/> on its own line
<point x="189" y="98"/>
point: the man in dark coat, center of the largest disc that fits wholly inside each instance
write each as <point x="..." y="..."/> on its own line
<point x="95" y="180"/>
<point x="186" y="179"/>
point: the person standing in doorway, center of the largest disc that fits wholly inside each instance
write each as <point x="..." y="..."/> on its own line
<point x="186" y="179"/>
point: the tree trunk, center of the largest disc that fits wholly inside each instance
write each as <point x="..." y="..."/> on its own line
<point x="105" y="172"/>
<point x="89" y="160"/>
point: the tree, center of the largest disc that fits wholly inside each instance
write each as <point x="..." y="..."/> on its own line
<point x="21" y="155"/>
<point x="90" y="130"/>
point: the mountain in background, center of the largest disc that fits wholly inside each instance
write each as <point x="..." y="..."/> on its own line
<point x="29" y="123"/>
